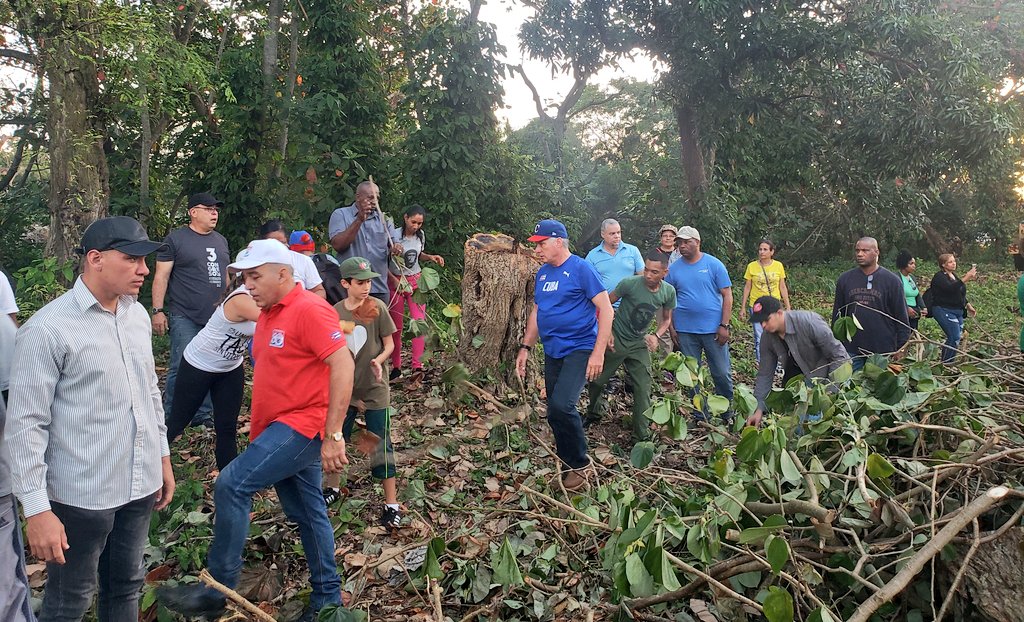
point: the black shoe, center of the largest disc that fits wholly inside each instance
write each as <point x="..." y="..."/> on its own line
<point x="590" y="420"/>
<point x="391" y="518"/>
<point x="331" y="495"/>
<point x="395" y="374"/>
<point x="191" y="601"/>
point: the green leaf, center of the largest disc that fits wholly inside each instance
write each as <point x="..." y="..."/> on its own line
<point x="337" y="613"/>
<point x="843" y="373"/>
<point x="660" y="412"/>
<point x="777" y="551"/>
<point x="431" y="567"/>
<point x="642" y="454"/>
<point x="641" y="583"/>
<point x="452" y="310"/>
<point x="789" y="471"/>
<point x="844" y="328"/>
<point x="678" y="427"/>
<point x="672" y="362"/>
<point x="685" y="377"/>
<point x="879" y="467"/>
<point x="197" y="518"/>
<point x="820" y="614"/>
<point x="429" y="279"/>
<point x="505" y="566"/>
<point x="772" y="524"/>
<point x="778" y="605"/>
<point x="718" y="404"/>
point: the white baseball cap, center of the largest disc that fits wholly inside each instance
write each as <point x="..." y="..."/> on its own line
<point x="260" y="252"/>
<point x="687" y="233"/>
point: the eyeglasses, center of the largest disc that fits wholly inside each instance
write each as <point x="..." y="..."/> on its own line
<point x="212" y="210"/>
<point x="871" y="277"/>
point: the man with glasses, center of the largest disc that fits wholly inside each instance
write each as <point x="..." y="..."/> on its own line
<point x="572" y="317"/>
<point x="191" y="274"/>
<point x="874" y="297"/>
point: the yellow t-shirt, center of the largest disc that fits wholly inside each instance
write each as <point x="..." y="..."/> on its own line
<point x="759" y="286"/>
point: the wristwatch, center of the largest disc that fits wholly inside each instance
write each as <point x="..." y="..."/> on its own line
<point x="157" y="310"/>
<point x="337" y="437"/>
<point x="523" y="346"/>
<point x="725" y="326"/>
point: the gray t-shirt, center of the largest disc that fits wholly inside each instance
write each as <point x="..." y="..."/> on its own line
<point x="371" y="243"/>
<point x="412" y="246"/>
<point x="199" y="274"/>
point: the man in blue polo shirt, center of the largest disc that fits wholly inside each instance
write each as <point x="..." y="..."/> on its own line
<point x="703" y="309"/>
<point x="613" y="259"/>
<point x="572" y="316"/>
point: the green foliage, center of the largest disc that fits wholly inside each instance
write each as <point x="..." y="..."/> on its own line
<point x="40" y="282"/>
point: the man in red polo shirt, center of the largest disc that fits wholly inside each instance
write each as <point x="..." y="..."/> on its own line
<point x="300" y="394"/>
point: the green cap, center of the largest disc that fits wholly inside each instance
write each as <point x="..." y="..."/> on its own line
<point x="357" y="268"/>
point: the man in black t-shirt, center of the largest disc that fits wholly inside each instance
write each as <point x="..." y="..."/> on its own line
<point x="874" y="296"/>
<point x="191" y="274"/>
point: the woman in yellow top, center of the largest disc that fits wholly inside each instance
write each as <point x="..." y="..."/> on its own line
<point x="764" y="277"/>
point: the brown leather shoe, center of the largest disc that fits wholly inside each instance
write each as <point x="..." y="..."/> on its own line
<point x="573" y="480"/>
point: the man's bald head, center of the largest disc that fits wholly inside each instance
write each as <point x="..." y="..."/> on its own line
<point x="865" y="253"/>
<point x="367" y="197"/>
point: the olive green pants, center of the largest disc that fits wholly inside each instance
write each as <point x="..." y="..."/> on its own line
<point x="637" y="360"/>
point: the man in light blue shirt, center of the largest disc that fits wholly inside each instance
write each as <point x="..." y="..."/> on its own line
<point x="359" y="231"/>
<point x="703" y="309"/>
<point x="613" y="259"/>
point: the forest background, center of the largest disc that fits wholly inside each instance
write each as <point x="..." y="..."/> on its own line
<point x="811" y="123"/>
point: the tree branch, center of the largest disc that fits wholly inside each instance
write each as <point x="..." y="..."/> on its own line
<point x="899" y="582"/>
<point x="541" y="112"/>
<point x="25" y="57"/>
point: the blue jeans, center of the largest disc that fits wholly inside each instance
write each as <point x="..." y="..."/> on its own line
<point x="282" y="458"/>
<point x="378" y="421"/>
<point x="952" y="323"/>
<point x="182" y="330"/>
<point x="103" y="544"/>
<point x="704" y="347"/>
<point x="15" y="595"/>
<point x="564" y="379"/>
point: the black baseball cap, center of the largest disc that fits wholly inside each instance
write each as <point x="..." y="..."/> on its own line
<point x="763" y="307"/>
<point x="204" y="198"/>
<point x="120" y="233"/>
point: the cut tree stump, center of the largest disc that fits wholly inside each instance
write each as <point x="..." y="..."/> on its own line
<point x="497" y="296"/>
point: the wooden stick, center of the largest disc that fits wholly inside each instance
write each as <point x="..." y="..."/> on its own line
<point x="899" y="582"/>
<point x="235" y="597"/>
<point x="435" y="597"/>
<point x="568" y="508"/>
<point x="713" y="581"/>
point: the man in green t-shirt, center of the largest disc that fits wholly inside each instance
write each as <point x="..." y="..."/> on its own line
<point x="642" y="297"/>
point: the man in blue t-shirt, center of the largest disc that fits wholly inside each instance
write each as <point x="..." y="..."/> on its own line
<point x="572" y="316"/>
<point x="613" y="259"/>
<point x="703" y="309"/>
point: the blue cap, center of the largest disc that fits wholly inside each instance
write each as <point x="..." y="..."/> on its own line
<point x="548" y="229"/>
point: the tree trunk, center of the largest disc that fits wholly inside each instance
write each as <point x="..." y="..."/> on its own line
<point x="994" y="580"/>
<point x="79" y="179"/>
<point x="692" y="156"/>
<point x="497" y="296"/>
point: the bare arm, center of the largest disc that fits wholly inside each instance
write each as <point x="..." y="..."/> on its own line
<point x="342" y="369"/>
<point x="343" y="240"/>
<point x="743" y="300"/>
<point x="784" y="289"/>
<point x="241" y="308"/>
<point x="722" y="334"/>
<point x="605" y="315"/>
<point x="320" y="291"/>
<point x="529" y="339"/>
<point x="161" y="277"/>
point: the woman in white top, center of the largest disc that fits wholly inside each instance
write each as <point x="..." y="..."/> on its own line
<point x="407" y="252"/>
<point x="212" y="362"/>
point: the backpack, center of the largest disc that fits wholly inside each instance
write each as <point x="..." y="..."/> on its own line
<point x="927" y="298"/>
<point x="330" y="272"/>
